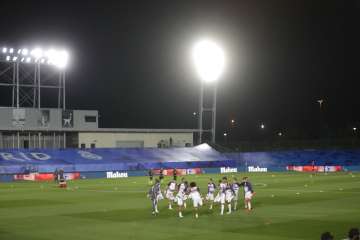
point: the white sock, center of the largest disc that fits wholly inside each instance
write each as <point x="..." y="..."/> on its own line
<point x="211" y="206"/>
<point x="170" y="206"/>
<point x="235" y="205"/>
<point x="229" y="208"/>
<point x="180" y="214"/>
<point x="222" y="209"/>
<point x="246" y="206"/>
<point x="196" y="215"/>
<point x="249" y="205"/>
<point x="184" y="204"/>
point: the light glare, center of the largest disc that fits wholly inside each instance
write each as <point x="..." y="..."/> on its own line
<point x="4" y="50"/>
<point x="37" y="53"/>
<point x="209" y="60"/>
<point x="25" y="51"/>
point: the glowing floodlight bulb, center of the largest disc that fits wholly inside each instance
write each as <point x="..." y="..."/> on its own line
<point x="51" y="55"/>
<point x="22" y="59"/>
<point x="61" y="59"/>
<point x="4" y="50"/>
<point x="209" y="60"/>
<point x="11" y="50"/>
<point x="28" y="59"/>
<point x="19" y="51"/>
<point x="15" y="58"/>
<point x="37" y="53"/>
<point x="7" y="58"/>
<point x="24" y="51"/>
<point x="42" y="60"/>
<point x="262" y="126"/>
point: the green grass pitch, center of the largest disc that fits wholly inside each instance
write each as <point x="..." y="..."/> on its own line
<point x="286" y="206"/>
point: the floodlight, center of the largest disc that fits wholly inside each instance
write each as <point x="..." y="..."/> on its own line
<point x="37" y="53"/>
<point x="19" y="51"/>
<point x="60" y="58"/>
<point x="225" y="134"/>
<point x="24" y="51"/>
<point x="28" y="59"/>
<point x="22" y="59"/>
<point x="42" y="60"/>
<point x="11" y="50"/>
<point x="262" y="126"/>
<point x="354" y="129"/>
<point x="7" y="58"/>
<point x="280" y="134"/>
<point x="4" y="50"/>
<point x="15" y="58"/>
<point x="209" y="60"/>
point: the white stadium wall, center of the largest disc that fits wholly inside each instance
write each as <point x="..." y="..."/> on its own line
<point x="147" y="140"/>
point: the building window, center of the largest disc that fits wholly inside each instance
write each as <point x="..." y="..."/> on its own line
<point x="90" y="118"/>
<point x="82" y="146"/>
<point x="93" y="145"/>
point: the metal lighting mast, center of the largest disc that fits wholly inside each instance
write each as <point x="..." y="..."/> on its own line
<point x="209" y="62"/>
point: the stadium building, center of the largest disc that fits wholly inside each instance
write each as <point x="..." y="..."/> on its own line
<point x="58" y="128"/>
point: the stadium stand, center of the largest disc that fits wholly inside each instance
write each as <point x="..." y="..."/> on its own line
<point x="108" y="159"/>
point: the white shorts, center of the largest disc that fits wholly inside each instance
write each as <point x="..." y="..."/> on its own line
<point x="196" y="198"/>
<point x="236" y="197"/>
<point x="159" y="197"/>
<point x="229" y="197"/>
<point x="248" y="195"/>
<point x="222" y="198"/>
<point x="197" y="202"/>
<point x="210" y="197"/>
<point x="217" y="198"/>
<point x="170" y="195"/>
<point x="179" y="199"/>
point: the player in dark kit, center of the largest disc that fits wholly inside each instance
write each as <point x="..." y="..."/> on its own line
<point x="150" y="176"/>
<point x="62" y="180"/>
<point x="161" y="174"/>
<point x="56" y="175"/>
<point x="174" y="174"/>
<point x="155" y="196"/>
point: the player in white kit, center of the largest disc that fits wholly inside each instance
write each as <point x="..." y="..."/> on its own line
<point x="248" y="192"/>
<point x="155" y="196"/>
<point x="235" y="186"/>
<point x="211" y="191"/>
<point x="181" y="196"/>
<point x="194" y="195"/>
<point x="169" y="192"/>
<point x="225" y="194"/>
<point x="229" y="196"/>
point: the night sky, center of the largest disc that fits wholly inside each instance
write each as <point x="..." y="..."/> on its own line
<point x="132" y="61"/>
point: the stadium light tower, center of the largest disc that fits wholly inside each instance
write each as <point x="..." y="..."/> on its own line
<point x="209" y="60"/>
<point x="25" y="66"/>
